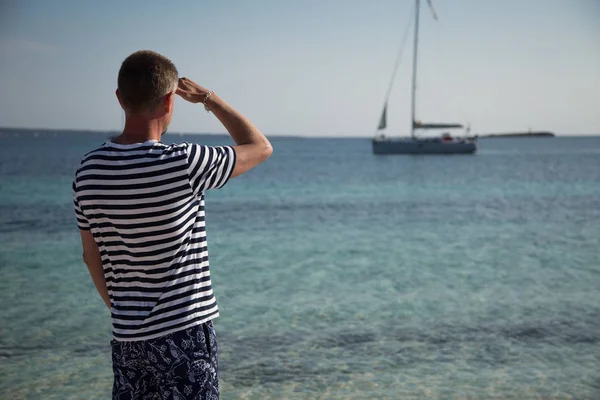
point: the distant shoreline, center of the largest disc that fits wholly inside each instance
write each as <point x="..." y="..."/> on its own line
<point x="518" y="134"/>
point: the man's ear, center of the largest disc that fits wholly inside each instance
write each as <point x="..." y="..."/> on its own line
<point x="119" y="98"/>
<point x="169" y="102"/>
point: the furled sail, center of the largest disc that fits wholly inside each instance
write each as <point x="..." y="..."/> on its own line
<point x="421" y="125"/>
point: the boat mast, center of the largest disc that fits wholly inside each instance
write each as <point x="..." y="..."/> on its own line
<point x="414" y="75"/>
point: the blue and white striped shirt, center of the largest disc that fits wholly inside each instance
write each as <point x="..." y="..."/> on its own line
<point x="144" y="205"/>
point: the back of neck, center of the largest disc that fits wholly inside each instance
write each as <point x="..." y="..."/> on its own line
<point x="139" y="130"/>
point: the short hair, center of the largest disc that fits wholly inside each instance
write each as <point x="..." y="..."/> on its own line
<point x="144" y="78"/>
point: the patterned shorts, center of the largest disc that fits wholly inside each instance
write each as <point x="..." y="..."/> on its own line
<point x="178" y="366"/>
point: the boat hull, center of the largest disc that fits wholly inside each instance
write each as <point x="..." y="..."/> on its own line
<point x="423" y="146"/>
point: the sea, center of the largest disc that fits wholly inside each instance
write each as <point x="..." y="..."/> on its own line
<point x="339" y="274"/>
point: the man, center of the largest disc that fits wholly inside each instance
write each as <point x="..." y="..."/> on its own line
<point x="139" y="205"/>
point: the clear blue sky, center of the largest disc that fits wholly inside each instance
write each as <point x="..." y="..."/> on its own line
<point x="309" y="67"/>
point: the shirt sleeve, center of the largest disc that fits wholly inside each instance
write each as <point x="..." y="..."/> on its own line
<point x="82" y="221"/>
<point x="209" y="167"/>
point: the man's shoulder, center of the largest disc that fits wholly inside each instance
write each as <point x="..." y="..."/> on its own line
<point x="89" y="154"/>
<point x="178" y="146"/>
<point x="108" y="151"/>
<point x="97" y="149"/>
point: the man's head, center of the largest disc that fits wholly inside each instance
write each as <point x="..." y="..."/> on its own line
<point x="146" y="85"/>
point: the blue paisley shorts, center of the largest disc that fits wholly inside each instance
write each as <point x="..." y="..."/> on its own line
<point x="177" y="366"/>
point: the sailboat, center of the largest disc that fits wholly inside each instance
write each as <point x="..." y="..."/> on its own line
<point x="445" y="144"/>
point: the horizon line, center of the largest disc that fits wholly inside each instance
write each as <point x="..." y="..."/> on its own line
<point x="97" y="131"/>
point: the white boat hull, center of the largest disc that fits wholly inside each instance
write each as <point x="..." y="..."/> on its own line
<point x="423" y="146"/>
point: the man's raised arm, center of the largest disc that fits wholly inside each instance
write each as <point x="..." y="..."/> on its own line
<point x="252" y="147"/>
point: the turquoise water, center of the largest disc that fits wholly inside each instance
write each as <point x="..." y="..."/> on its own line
<point x="339" y="275"/>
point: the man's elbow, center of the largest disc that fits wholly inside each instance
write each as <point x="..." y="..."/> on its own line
<point x="267" y="150"/>
<point x="262" y="151"/>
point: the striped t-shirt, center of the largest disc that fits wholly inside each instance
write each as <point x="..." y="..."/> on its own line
<point x="144" y="205"/>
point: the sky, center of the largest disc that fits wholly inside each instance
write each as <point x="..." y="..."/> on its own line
<point x="310" y="67"/>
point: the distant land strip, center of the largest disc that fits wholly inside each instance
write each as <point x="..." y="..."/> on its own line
<point x="518" y="134"/>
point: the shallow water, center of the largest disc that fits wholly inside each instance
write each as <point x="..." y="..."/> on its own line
<point x="339" y="275"/>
